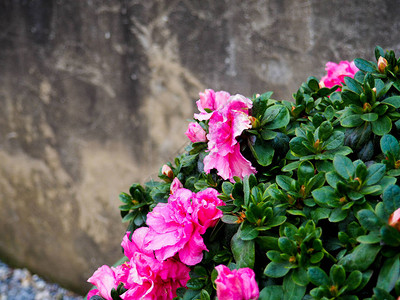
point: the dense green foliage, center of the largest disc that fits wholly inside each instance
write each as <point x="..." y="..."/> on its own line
<point x="313" y="222"/>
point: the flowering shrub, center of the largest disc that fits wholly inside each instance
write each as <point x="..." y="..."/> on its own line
<point x="274" y="199"/>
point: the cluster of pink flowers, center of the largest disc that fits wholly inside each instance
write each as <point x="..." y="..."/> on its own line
<point x="228" y="117"/>
<point x="337" y="72"/>
<point x="176" y="227"/>
<point x="143" y="276"/>
<point x="158" y="254"/>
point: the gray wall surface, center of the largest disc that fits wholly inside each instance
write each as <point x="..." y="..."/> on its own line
<point x="95" y="95"/>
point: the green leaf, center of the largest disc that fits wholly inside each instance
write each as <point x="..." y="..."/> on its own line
<point x="268" y="134"/>
<point x="286" y="245"/>
<point x="391" y="199"/>
<point x="292" y="166"/>
<point x="370" y="117"/>
<point x="243" y="252"/>
<point x="317" y="276"/>
<point x="334" y="141"/>
<point x="263" y="152"/>
<point x="300" y="277"/>
<point x="281" y="117"/>
<point x="375" y="173"/>
<point x="285" y="182"/>
<point x="325" y="196"/>
<point x="291" y="290"/>
<point x="394" y="100"/>
<point x="365" y="66"/>
<point x="389" y="144"/>
<point x="271" y="292"/>
<point x="248" y="233"/>
<point x="351" y="121"/>
<point x="267" y="243"/>
<point x="368" y="219"/>
<point x="338" y="214"/>
<point x="382" y="126"/>
<point x="229" y="219"/>
<point x="337" y="274"/>
<point x="372" y="238"/>
<point x="354" y="280"/>
<point x="361" y="257"/>
<point x="381" y="294"/>
<point x="389" y="273"/>
<point x="353" y="85"/>
<point x="276" y="269"/>
<point x="195" y="283"/>
<point x="344" y="166"/>
<point x="204" y="295"/>
<point x="320" y="213"/>
<point x="305" y="172"/>
<point x="297" y="146"/>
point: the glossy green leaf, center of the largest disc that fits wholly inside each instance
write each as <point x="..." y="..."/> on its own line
<point x="317" y="276"/>
<point x="389" y="273"/>
<point x="243" y="252"/>
<point x="382" y="126"/>
<point x="394" y="100"/>
<point x="344" y="166"/>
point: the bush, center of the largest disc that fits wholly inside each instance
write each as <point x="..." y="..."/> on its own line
<point x="274" y="199"/>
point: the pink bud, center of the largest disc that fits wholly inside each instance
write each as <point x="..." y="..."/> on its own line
<point x="196" y="133"/>
<point x="394" y="219"/>
<point x="167" y="171"/>
<point x="175" y="185"/>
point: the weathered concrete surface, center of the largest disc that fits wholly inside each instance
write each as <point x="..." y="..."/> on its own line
<point x="94" y="96"/>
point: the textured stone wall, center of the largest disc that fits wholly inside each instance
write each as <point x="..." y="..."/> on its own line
<point x="94" y="95"/>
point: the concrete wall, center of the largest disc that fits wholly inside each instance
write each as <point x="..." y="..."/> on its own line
<point x="94" y="95"/>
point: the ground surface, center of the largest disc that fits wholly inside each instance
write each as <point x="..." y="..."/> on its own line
<point x="20" y="284"/>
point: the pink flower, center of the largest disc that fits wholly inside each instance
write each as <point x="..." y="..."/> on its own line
<point x="94" y="292"/>
<point x="206" y="212"/>
<point x="236" y="284"/>
<point x="104" y="279"/>
<point x="210" y="100"/>
<point x="143" y="276"/>
<point x="337" y="72"/>
<point x="176" y="227"/>
<point x="230" y="165"/>
<point x="394" y="219"/>
<point x="196" y="133"/>
<point x="229" y="123"/>
<point x="225" y="126"/>
<point x="175" y="185"/>
<point x="172" y="229"/>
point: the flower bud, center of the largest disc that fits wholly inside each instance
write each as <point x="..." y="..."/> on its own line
<point x="382" y="64"/>
<point x="255" y="123"/>
<point x="321" y="84"/>
<point x="175" y="185"/>
<point x="167" y="171"/>
<point x="394" y="219"/>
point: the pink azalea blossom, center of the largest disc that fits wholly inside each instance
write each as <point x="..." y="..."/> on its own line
<point x="206" y="213"/>
<point x="337" y="72"/>
<point x="175" y="185"/>
<point x="236" y="284"/>
<point x="230" y="165"/>
<point x="176" y="227"/>
<point x="143" y="276"/>
<point x="229" y="123"/>
<point x="225" y="126"/>
<point x="104" y="279"/>
<point x="196" y="133"/>
<point x="172" y="229"/>
<point x="210" y="100"/>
